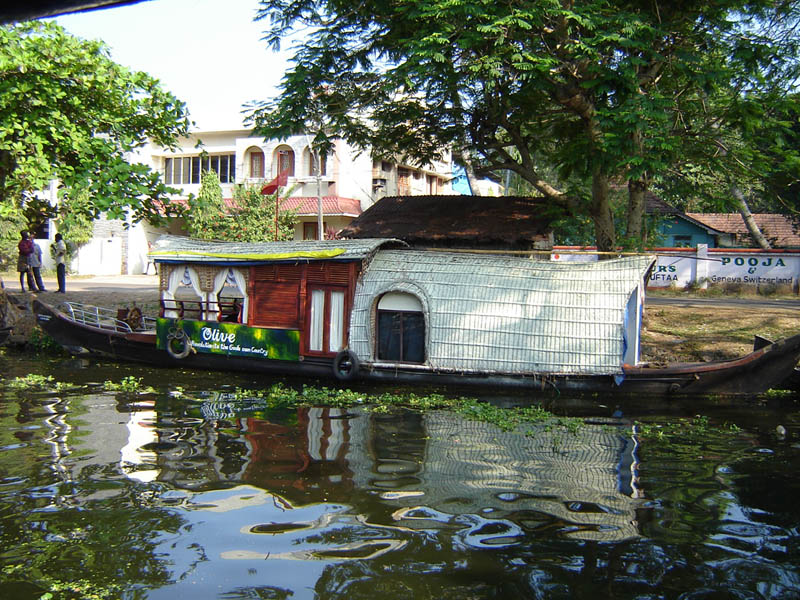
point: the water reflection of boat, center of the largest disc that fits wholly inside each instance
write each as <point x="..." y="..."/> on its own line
<point x="584" y="485"/>
<point x="426" y="471"/>
<point x="365" y="309"/>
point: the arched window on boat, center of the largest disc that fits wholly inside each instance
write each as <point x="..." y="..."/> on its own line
<point x="401" y="328"/>
<point x="228" y="300"/>
<point x="183" y="298"/>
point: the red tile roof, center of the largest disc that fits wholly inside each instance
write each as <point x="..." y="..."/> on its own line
<point x="331" y="206"/>
<point x="780" y="230"/>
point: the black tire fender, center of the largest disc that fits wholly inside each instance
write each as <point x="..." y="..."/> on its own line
<point x="178" y="344"/>
<point x="345" y="365"/>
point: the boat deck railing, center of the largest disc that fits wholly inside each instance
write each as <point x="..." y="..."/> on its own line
<point x="224" y="309"/>
<point x="105" y="318"/>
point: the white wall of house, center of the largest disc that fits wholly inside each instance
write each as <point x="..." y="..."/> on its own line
<point x="704" y="266"/>
<point x="349" y="173"/>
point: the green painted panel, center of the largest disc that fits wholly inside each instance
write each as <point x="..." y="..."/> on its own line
<point x="233" y="339"/>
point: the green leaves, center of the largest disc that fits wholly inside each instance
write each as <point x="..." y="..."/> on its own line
<point x="595" y="88"/>
<point x="68" y="112"/>
<point x="249" y="218"/>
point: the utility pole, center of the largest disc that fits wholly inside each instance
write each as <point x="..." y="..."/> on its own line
<point x="320" y="232"/>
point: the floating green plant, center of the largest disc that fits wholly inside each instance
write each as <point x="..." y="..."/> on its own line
<point x="40" y="342"/>
<point x="39" y="383"/>
<point x="129" y="384"/>
<point x="505" y="418"/>
<point x="691" y="429"/>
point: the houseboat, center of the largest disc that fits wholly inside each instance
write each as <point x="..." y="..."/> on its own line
<point x="376" y="309"/>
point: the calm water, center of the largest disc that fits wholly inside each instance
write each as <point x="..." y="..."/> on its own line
<point x="194" y="495"/>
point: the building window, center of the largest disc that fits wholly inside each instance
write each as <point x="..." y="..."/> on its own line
<point x="284" y="161"/>
<point x="682" y="241"/>
<point x="310" y="230"/>
<point x="185" y="170"/>
<point x="257" y="164"/>
<point x="433" y="185"/>
<point x="312" y="163"/>
<point x="401" y="328"/>
<point x="326" y="320"/>
<point x="403" y="181"/>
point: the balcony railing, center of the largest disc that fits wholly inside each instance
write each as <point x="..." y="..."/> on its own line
<point x="228" y="309"/>
<point x="122" y="320"/>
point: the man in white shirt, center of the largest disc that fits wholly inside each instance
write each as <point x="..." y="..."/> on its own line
<point x="35" y="263"/>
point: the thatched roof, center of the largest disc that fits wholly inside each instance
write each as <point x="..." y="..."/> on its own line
<point x="467" y="220"/>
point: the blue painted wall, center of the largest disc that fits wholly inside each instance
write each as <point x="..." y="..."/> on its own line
<point x="687" y="233"/>
<point x="460" y="184"/>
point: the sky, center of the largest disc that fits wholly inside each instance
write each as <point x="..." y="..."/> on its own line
<point x="208" y="53"/>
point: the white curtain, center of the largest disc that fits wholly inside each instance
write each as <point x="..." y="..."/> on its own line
<point x="168" y="295"/>
<point x="179" y="276"/>
<point x="228" y="275"/>
<point x="241" y="283"/>
<point x="195" y="281"/>
<point x="317" y="320"/>
<point x="337" y="322"/>
<point x="212" y="312"/>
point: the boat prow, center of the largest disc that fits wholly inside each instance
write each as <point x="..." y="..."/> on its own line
<point x="755" y="373"/>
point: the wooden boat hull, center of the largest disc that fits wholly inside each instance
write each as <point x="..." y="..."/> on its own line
<point x="753" y="374"/>
<point x="749" y="375"/>
<point x="141" y="347"/>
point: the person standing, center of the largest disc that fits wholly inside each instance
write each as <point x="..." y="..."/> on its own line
<point x="60" y="252"/>
<point x="25" y="248"/>
<point x="35" y="262"/>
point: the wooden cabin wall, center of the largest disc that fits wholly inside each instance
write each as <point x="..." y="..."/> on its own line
<point x="280" y="293"/>
<point x="275" y="293"/>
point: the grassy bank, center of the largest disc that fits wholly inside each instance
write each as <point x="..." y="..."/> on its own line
<point x="705" y="333"/>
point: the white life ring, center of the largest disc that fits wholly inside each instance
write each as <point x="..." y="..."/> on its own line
<point x="178" y="343"/>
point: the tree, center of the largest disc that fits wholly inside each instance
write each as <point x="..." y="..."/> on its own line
<point x="206" y="217"/>
<point x="75" y="219"/>
<point x="253" y="215"/>
<point x="250" y="216"/>
<point x="598" y="87"/>
<point x="68" y="112"/>
<point x="12" y="221"/>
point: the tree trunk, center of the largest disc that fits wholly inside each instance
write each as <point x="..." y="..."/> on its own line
<point x="600" y="210"/>
<point x="749" y="221"/>
<point x="744" y="210"/>
<point x="637" y="188"/>
<point x="5" y="170"/>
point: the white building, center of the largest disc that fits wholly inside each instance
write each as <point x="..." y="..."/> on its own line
<point x="350" y="180"/>
<point x="349" y="183"/>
